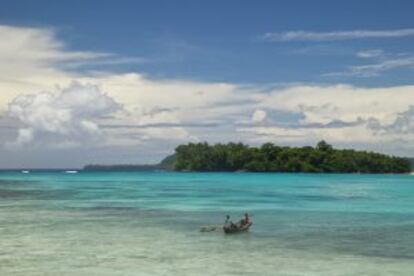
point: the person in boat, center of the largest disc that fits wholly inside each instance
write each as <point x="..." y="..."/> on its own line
<point x="245" y="221"/>
<point x="228" y="223"/>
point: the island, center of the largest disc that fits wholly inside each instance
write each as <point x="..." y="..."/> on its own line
<point x="239" y="157"/>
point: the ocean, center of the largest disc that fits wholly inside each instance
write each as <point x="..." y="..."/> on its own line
<point x="148" y="223"/>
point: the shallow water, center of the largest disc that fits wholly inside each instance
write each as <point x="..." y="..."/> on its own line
<point x="148" y="224"/>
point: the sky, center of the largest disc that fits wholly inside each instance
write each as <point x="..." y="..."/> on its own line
<point x="127" y="81"/>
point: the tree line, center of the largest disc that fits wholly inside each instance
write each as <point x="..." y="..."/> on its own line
<point x="271" y="158"/>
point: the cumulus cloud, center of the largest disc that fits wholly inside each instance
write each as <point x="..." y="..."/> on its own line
<point x="139" y="118"/>
<point x="324" y="104"/>
<point x="336" y="35"/>
<point x="359" y="136"/>
<point x="34" y="59"/>
<point x="402" y="125"/>
<point x="66" y="117"/>
<point x="341" y="114"/>
<point x="146" y="102"/>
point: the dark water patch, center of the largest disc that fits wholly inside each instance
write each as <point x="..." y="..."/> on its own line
<point x="36" y="194"/>
<point x="365" y="234"/>
<point x="31" y="189"/>
<point x="247" y="201"/>
<point x="310" y="187"/>
<point x="17" y="183"/>
<point x="296" y="197"/>
<point x="317" y="197"/>
<point x="111" y="208"/>
<point x="103" y="208"/>
<point x="22" y="194"/>
<point x="396" y="241"/>
<point x="191" y="189"/>
<point x="6" y="194"/>
<point x="127" y="214"/>
<point x="175" y="189"/>
<point x="389" y="242"/>
<point x="184" y="195"/>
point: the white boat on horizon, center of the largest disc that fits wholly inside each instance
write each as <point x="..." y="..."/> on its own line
<point x="25" y="171"/>
<point x="71" y="171"/>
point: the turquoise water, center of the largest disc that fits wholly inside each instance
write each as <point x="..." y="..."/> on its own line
<point x="148" y="224"/>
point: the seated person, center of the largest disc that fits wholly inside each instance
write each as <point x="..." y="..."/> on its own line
<point x="228" y="223"/>
<point x="245" y="221"/>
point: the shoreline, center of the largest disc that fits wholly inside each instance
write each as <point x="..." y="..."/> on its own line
<point x="72" y="171"/>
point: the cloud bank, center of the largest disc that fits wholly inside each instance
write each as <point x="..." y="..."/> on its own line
<point x="64" y="118"/>
<point x="128" y="117"/>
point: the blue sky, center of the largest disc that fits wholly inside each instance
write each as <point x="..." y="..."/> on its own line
<point x="221" y="40"/>
<point x="127" y="81"/>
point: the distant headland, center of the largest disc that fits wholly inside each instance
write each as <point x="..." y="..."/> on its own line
<point x="233" y="157"/>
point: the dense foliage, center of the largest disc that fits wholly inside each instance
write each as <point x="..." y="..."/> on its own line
<point x="272" y="158"/>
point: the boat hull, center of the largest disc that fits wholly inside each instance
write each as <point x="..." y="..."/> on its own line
<point x="235" y="230"/>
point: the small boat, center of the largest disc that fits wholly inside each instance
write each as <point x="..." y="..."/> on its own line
<point x="233" y="229"/>
<point x="71" y="171"/>
<point x="24" y="171"/>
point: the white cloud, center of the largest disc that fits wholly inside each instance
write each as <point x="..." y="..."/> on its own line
<point x="341" y="114"/>
<point x="371" y="53"/>
<point x="300" y="135"/>
<point x="25" y="136"/>
<point x="71" y="114"/>
<point x="325" y="104"/>
<point x="337" y="35"/>
<point x="259" y="115"/>
<point x="31" y="60"/>
<point x="39" y="66"/>
<point x="104" y="60"/>
<point x="402" y="125"/>
<point x="381" y="62"/>
<point x="355" y="135"/>
<point x="376" y="69"/>
<point x="67" y="116"/>
<point x="381" y="65"/>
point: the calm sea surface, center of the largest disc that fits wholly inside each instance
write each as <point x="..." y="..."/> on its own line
<point x="148" y="224"/>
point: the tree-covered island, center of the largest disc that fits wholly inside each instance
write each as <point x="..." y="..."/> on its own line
<point x="271" y="158"/>
<point x="231" y="157"/>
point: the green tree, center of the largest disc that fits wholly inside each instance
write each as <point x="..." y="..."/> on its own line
<point x="271" y="158"/>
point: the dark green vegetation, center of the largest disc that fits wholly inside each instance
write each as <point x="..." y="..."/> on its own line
<point x="271" y="158"/>
<point x="411" y="160"/>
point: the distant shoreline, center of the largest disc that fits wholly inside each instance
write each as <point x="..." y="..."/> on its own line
<point x="240" y="158"/>
<point x="64" y="171"/>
